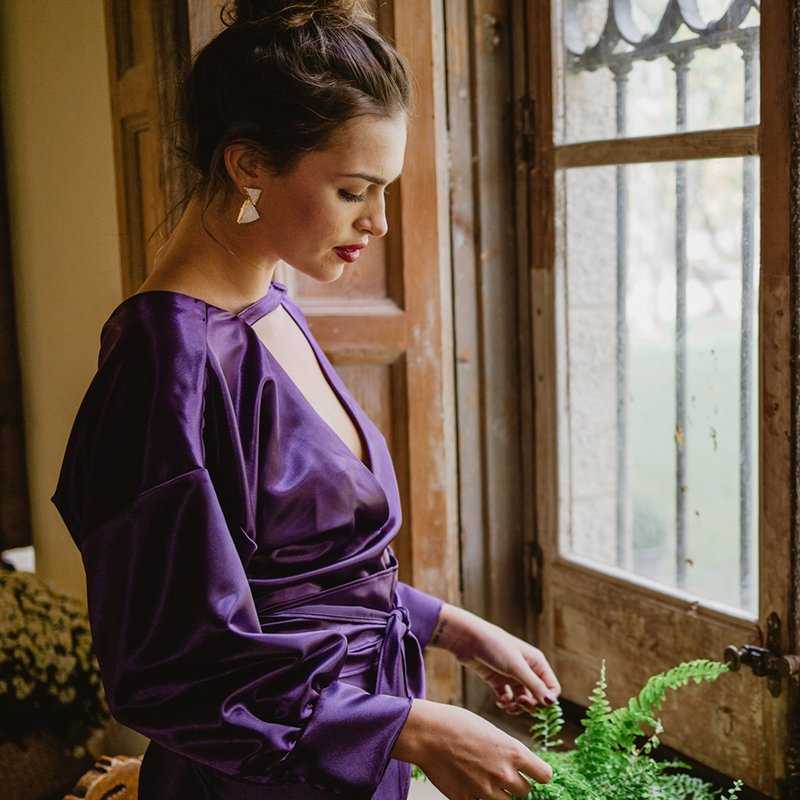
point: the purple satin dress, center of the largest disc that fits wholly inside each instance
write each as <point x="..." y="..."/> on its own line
<point x="243" y="593"/>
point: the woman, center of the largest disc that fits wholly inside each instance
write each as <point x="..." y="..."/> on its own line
<point x="233" y="504"/>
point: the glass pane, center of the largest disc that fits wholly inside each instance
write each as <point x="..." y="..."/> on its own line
<point x="660" y="77"/>
<point x="658" y="355"/>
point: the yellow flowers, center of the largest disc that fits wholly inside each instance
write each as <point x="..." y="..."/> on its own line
<point x="49" y="675"/>
<point x="22" y="688"/>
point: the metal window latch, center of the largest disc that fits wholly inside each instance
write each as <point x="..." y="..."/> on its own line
<point x="766" y="661"/>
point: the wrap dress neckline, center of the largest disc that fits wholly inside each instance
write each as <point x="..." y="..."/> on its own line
<point x="260" y="308"/>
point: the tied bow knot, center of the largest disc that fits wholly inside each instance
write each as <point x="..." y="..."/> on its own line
<point x="392" y="659"/>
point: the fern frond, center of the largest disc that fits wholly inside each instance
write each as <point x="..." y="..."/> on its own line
<point x="733" y="792"/>
<point x="626" y="723"/>
<point x="689" y="787"/>
<point x="547" y="722"/>
<point x="595" y="744"/>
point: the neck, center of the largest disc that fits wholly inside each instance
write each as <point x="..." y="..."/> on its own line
<point x="209" y="258"/>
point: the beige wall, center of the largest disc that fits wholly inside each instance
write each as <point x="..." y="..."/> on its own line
<point x="64" y="240"/>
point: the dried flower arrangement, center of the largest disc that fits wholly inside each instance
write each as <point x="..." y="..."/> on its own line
<point x="49" y="675"/>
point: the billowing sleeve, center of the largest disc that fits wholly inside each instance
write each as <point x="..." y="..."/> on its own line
<point x="184" y="658"/>
<point x="423" y="611"/>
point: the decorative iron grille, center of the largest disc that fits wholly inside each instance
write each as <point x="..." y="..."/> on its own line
<point x="621" y="43"/>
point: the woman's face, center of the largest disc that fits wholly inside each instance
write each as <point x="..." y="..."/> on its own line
<point x="333" y="198"/>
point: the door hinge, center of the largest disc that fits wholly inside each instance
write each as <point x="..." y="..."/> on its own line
<point x="767" y="662"/>
<point x="527" y="128"/>
<point x="535" y="576"/>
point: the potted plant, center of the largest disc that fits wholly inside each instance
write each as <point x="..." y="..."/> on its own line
<point x="606" y="763"/>
<point x="53" y="709"/>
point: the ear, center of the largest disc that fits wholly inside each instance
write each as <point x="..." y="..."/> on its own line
<point x="241" y="163"/>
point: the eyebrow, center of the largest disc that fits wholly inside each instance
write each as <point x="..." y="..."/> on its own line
<point x="368" y="178"/>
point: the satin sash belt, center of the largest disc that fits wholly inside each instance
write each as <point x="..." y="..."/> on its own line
<point x="378" y="633"/>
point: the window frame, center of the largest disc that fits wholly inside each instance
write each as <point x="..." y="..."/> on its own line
<point x="779" y="452"/>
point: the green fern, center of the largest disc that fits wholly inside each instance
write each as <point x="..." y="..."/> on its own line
<point x="595" y="744"/>
<point x="687" y="786"/>
<point x="606" y="764"/>
<point x="546" y="726"/>
<point x="625" y="724"/>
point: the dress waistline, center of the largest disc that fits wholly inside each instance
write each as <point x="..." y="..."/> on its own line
<point x="354" y="610"/>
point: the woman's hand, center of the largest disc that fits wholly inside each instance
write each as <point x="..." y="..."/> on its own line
<point x="517" y="672"/>
<point x="465" y="756"/>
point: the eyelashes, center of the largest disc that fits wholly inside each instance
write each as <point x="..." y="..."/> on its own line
<point x="356" y="198"/>
<point x="352" y="198"/>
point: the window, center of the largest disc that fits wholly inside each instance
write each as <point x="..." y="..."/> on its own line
<point x="658" y="299"/>
<point x="662" y="305"/>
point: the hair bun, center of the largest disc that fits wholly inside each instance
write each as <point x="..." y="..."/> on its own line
<point x="287" y="14"/>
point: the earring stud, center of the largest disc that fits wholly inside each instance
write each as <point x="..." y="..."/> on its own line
<point x="248" y="211"/>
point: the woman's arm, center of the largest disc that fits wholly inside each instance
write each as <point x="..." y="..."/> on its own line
<point x="517" y="672"/>
<point x="455" y="628"/>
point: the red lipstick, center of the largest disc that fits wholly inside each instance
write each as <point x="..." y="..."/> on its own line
<point x="349" y="252"/>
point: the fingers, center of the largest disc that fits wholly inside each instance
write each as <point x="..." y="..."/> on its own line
<point x="531" y="765"/>
<point x="508" y="695"/>
<point x="536" y="683"/>
<point x="516" y="700"/>
<point x="514" y="782"/>
<point x="531" y="681"/>
<point x="512" y="709"/>
<point x="524" y="698"/>
<point x="536" y="659"/>
<point x="510" y="783"/>
<point x="516" y="706"/>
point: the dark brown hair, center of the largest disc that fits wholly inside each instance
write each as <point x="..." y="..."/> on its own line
<point x="283" y="77"/>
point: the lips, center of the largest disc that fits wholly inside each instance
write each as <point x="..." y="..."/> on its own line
<point x="348" y="252"/>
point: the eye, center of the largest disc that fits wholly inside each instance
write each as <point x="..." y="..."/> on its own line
<point x="356" y="198"/>
<point x="352" y="198"/>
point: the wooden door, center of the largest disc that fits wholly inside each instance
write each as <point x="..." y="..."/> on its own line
<point x="147" y="45"/>
<point x="663" y="349"/>
<point x="386" y="324"/>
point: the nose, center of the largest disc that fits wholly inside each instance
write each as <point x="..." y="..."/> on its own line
<point x="375" y="224"/>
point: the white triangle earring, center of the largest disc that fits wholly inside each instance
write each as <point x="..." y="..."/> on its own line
<point x="248" y="211"/>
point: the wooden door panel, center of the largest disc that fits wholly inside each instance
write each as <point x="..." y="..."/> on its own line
<point x="144" y="39"/>
<point x="136" y="149"/>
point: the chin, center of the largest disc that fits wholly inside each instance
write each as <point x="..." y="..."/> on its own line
<point x="336" y="276"/>
<point x="325" y="273"/>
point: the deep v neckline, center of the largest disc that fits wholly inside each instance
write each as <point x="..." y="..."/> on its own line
<point x="252" y="314"/>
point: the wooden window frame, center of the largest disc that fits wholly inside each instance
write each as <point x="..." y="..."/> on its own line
<point x="775" y="140"/>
